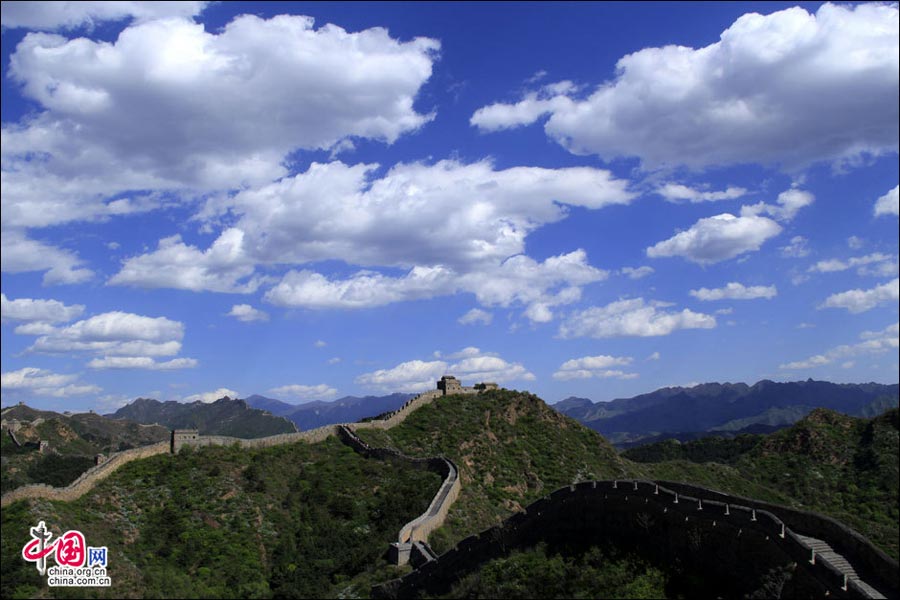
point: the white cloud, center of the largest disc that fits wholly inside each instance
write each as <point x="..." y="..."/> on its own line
<point x="115" y="334"/>
<point x="247" y="314"/>
<point x="875" y="342"/>
<point x="637" y="273"/>
<point x="717" y="238"/>
<point x="472" y="366"/>
<point x="835" y="265"/>
<point x="735" y="291"/>
<point x="305" y="392"/>
<point x="476" y="315"/>
<point x="676" y="192"/>
<point x="744" y="98"/>
<point x="41" y="382"/>
<point x="171" y="107"/>
<point x="889" y="204"/>
<point x="21" y="254"/>
<point x="320" y="343"/>
<point x="632" y="318"/>
<point x="141" y="362"/>
<point x="857" y="301"/>
<point x="208" y="397"/>
<point x="589" y="367"/>
<point x="798" y="248"/>
<point x="789" y="204"/>
<point x="654" y="356"/>
<point x="725" y="311"/>
<point x="49" y="15"/>
<point x="335" y="360"/>
<point x="520" y="279"/>
<point x="426" y="219"/>
<point x="855" y="242"/>
<point x="550" y="98"/>
<point x="41" y="311"/>
<point x="224" y="267"/>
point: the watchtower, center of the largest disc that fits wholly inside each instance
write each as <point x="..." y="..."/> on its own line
<point x="181" y="437"/>
<point x="449" y="385"/>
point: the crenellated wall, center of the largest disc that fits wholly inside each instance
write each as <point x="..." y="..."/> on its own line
<point x="419" y="528"/>
<point x="91" y="477"/>
<point x="743" y="539"/>
<point x="86" y="480"/>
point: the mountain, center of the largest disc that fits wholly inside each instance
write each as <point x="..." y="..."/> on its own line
<point x="344" y="410"/>
<point x="223" y="417"/>
<point x="73" y="440"/>
<point x="313" y="520"/>
<point x="726" y="407"/>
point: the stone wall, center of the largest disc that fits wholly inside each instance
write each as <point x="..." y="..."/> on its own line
<point x="748" y="538"/>
<point x="90" y="477"/>
<point x="870" y="562"/>
<point x="419" y="528"/>
<point x="86" y="480"/>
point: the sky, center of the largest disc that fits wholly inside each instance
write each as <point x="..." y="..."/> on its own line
<point x="313" y="200"/>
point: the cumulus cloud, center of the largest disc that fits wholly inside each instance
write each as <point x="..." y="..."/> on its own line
<point x="224" y="267"/>
<point x="633" y="317"/>
<point x="32" y="381"/>
<point x="889" y="204"/>
<point x="471" y="366"/>
<point x="676" y="192"/>
<point x="743" y="99"/>
<point x="50" y="15"/>
<point x="451" y="226"/>
<point x="533" y="106"/>
<point x="476" y="315"/>
<point x="247" y="314"/>
<point x="42" y="311"/>
<point x="520" y="279"/>
<point x="115" y="334"/>
<point x="874" y="342"/>
<point x="857" y="301"/>
<point x="717" y="238"/>
<point x="21" y="254"/>
<point x="600" y="367"/>
<point x="798" y="248"/>
<point x="208" y="397"/>
<point x="305" y="392"/>
<point x="141" y="362"/>
<point x="735" y="291"/>
<point x="169" y="106"/>
<point x="637" y="273"/>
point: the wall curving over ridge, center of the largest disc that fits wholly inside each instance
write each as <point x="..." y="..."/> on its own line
<point x="738" y="545"/>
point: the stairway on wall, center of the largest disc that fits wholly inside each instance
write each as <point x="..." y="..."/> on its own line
<point x="825" y="552"/>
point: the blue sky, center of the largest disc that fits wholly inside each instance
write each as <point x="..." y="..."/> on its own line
<point x="314" y="200"/>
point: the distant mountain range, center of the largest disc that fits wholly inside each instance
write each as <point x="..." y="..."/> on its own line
<point x="348" y="409"/>
<point x="724" y="408"/>
<point x="223" y="417"/>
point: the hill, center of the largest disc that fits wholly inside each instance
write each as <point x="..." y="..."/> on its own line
<point x="297" y="520"/>
<point x="72" y="442"/>
<point x="349" y="409"/>
<point x="677" y="411"/>
<point x="223" y="417"/>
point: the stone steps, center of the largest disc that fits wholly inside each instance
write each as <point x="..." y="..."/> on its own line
<point x="825" y="552"/>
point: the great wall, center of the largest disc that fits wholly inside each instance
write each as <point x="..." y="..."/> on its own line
<point x="828" y="557"/>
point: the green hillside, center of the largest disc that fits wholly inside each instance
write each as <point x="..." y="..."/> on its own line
<point x="511" y="449"/>
<point x="297" y="520"/>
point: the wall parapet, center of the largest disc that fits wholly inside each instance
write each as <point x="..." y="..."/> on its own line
<point x="415" y="532"/>
<point x="635" y="496"/>
<point x="91" y="477"/>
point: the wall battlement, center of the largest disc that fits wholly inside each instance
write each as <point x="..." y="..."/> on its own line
<point x="594" y="508"/>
